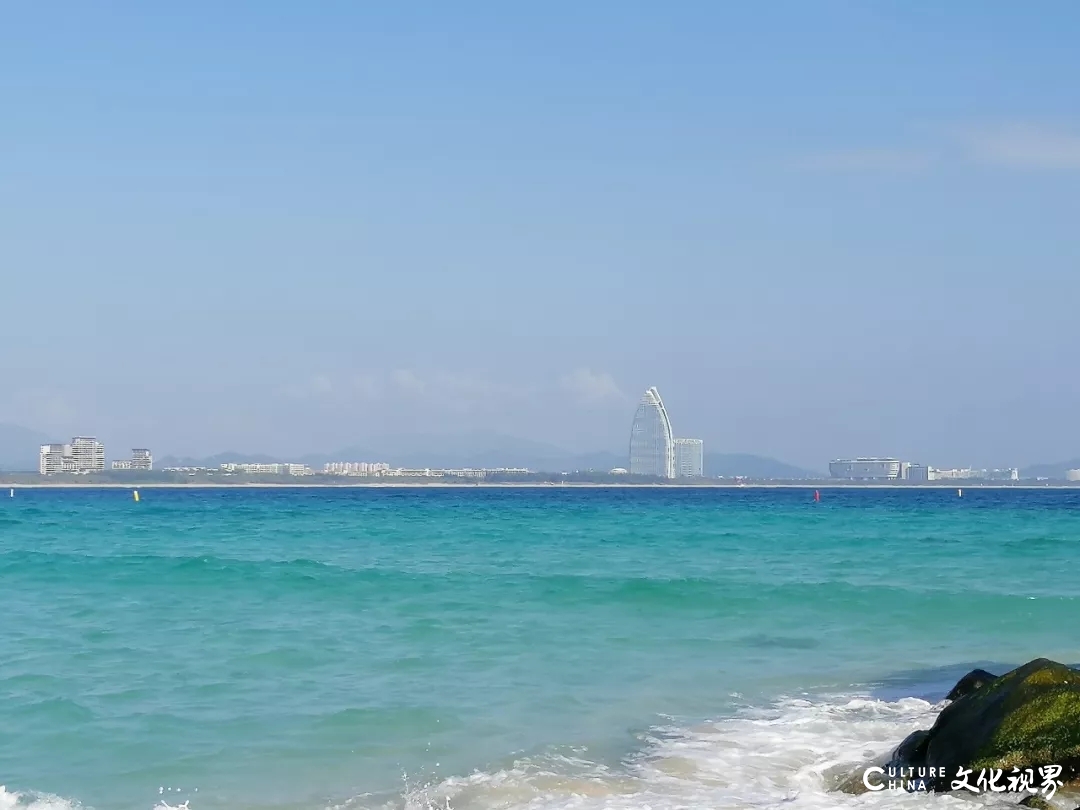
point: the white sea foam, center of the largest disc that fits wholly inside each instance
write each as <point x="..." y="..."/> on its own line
<point x="790" y="756"/>
<point x="12" y="800"/>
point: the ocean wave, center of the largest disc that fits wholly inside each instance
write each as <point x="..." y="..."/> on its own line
<point x="791" y="755"/>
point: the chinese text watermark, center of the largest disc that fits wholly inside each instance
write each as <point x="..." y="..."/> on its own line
<point x="988" y="780"/>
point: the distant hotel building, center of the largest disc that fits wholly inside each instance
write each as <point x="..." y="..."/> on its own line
<point x="362" y="468"/>
<point x="891" y="469"/>
<point x="868" y="469"/>
<point x="918" y="473"/>
<point x="55" y="458"/>
<point x="968" y="474"/>
<point x="89" y="454"/>
<point x="141" y="460"/>
<point x="689" y="458"/>
<point x="276" y="468"/>
<point x="652" y="446"/>
<point x="464" y="472"/>
<point x="84" y="454"/>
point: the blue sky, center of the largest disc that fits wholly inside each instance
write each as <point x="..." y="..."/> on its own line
<point x="820" y="229"/>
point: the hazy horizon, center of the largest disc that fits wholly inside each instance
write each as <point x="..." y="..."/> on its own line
<point x="820" y="230"/>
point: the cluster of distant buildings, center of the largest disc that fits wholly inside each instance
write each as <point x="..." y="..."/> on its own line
<point x="654" y="450"/>
<point x="84" y="455"/>
<point x="892" y="469"/>
<point x="360" y="468"/>
<point x="356" y="469"/>
<point x="275" y="468"/>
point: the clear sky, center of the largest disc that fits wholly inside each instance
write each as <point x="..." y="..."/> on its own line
<point x="820" y="228"/>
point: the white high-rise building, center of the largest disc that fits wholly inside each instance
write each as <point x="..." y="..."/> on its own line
<point x="84" y="454"/>
<point x="88" y="453"/>
<point x="52" y="458"/>
<point x="652" y="447"/>
<point x="689" y="458"/>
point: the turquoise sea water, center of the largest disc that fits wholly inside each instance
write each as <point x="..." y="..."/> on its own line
<point x="507" y="648"/>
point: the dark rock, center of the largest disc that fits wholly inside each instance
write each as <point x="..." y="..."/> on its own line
<point x="912" y="751"/>
<point x="1037" y="802"/>
<point x="971" y="682"/>
<point x="1027" y="718"/>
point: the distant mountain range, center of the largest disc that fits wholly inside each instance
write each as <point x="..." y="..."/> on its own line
<point x="19" y="448"/>
<point x="733" y="465"/>
<point x="1051" y="471"/>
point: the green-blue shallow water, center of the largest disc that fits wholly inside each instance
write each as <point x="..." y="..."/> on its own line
<point x="554" y="647"/>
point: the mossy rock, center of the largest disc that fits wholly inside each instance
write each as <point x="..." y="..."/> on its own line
<point x="1037" y="803"/>
<point x="1027" y="718"/>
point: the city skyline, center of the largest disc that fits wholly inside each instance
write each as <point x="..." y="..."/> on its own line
<point x="85" y="454"/>
<point x="487" y="444"/>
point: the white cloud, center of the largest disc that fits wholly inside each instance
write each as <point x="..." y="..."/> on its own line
<point x="465" y="384"/>
<point x="408" y="382"/>
<point x="590" y="388"/>
<point x="366" y="386"/>
<point x="1024" y="146"/>
<point x="1017" y="146"/>
<point x="868" y="160"/>
<point x="318" y="386"/>
<point x="460" y="391"/>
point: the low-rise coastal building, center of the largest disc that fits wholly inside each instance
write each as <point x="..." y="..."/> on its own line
<point x="461" y="472"/>
<point x="358" y="468"/>
<point x="141" y="460"/>
<point x="273" y="468"/>
<point x="968" y="474"/>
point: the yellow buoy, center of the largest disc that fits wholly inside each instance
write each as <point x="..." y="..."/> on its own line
<point x="136" y="496"/>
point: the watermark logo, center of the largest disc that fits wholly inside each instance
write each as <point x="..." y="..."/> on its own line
<point x="901" y="778"/>
<point x="988" y="780"/>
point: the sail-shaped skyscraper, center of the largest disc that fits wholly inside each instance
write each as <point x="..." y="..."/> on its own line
<point x="652" y="446"/>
